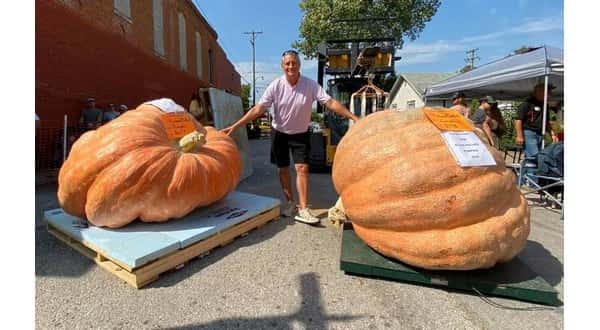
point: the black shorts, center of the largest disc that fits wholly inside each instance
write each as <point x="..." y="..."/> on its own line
<point x="282" y="143"/>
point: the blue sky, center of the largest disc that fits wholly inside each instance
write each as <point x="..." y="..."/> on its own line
<point x="496" y="27"/>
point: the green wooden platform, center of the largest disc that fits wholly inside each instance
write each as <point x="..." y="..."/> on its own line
<point x="513" y="279"/>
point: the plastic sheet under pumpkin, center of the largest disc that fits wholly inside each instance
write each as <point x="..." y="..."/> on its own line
<point x="130" y="169"/>
<point x="408" y="199"/>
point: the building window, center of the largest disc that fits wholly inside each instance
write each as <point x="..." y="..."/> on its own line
<point x="410" y="104"/>
<point x="198" y="55"/>
<point x="157" y="19"/>
<point x="182" y="43"/>
<point x="210" y="67"/>
<point x="122" y="8"/>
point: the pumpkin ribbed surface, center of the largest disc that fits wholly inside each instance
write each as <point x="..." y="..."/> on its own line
<point x="408" y="198"/>
<point x="129" y="169"/>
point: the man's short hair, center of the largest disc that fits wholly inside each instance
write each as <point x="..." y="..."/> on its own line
<point x="291" y="52"/>
<point x="90" y="99"/>
<point x="488" y="99"/>
<point x="458" y="95"/>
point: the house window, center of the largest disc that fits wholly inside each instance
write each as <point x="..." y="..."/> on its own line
<point x="210" y="67"/>
<point x="157" y="18"/>
<point x="182" y="43"/>
<point x="410" y="104"/>
<point x="198" y="55"/>
<point x="122" y="8"/>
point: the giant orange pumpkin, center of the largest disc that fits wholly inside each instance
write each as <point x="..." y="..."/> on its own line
<point x="408" y="199"/>
<point x="130" y="169"/>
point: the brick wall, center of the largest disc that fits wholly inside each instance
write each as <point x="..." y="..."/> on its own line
<point x="83" y="48"/>
<point x="113" y="59"/>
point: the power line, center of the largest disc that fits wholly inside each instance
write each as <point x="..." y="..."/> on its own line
<point x="253" y="42"/>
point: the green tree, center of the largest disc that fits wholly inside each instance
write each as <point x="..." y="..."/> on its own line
<point x="245" y="95"/>
<point x="406" y="18"/>
<point x="466" y="68"/>
<point x="523" y="49"/>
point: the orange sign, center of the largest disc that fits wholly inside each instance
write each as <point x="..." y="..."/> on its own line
<point x="177" y="124"/>
<point x="448" y="120"/>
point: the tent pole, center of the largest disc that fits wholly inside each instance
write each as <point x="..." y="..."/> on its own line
<point x="544" y="114"/>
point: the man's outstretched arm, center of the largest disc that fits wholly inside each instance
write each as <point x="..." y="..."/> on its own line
<point x="252" y="114"/>
<point x="340" y="109"/>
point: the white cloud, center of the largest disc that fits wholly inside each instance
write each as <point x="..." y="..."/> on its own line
<point x="267" y="71"/>
<point x="540" y="25"/>
<point x="421" y="53"/>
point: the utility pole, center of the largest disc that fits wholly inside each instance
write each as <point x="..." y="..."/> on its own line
<point x="252" y="41"/>
<point x="471" y="59"/>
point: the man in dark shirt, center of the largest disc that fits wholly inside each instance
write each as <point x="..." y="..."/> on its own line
<point x="528" y="123"/>
<point x="91" y="117"/>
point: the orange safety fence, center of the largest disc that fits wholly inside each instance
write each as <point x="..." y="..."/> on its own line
<point x="49" y="141"/>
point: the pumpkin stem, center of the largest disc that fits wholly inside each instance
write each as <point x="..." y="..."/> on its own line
<point x="191" y="141"/>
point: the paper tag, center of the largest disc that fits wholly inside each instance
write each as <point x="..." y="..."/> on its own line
<point x="166" y="105"/>
<point x="468" y="149"/>
<point x="448" y="120"/>
<point x="177" y="124"/>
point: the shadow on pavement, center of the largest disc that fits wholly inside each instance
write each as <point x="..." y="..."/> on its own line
<point x="540" y="260"/>
<point x="311" y="314"/>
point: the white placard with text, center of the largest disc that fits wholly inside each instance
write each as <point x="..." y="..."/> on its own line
<point x="468" y="149"/>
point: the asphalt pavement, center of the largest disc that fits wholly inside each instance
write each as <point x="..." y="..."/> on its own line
<point x="285" y="275"/>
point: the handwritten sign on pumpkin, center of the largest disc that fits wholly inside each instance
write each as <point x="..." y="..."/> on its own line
<point x="448" y="120"/>
<point x="177" y="124"/>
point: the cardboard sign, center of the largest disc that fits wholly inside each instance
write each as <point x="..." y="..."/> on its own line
<point x="178" y="124"/>
<point x="468" y="149"/>
<point x="448" y="120"/>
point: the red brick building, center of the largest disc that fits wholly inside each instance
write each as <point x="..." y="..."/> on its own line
<point x="122" y="52"/>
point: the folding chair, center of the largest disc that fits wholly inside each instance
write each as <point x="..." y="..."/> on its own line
<point x="543" y="174"/>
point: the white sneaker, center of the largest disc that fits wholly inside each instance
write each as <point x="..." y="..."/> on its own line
<point x="305" y="216"/>
<point x="288" y="209"/>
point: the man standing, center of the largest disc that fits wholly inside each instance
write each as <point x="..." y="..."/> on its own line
<point x="482" y="120"/>
<point x="292" y="96"/>
<point x="111" y="114"/>
<point x="459" y="103"/>
<point x="91" y="117"/>
<point x="528" y="123"/>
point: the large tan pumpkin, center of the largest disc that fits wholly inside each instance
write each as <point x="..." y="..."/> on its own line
<point x="408" y="199"/>
<point x="129" y="169"/>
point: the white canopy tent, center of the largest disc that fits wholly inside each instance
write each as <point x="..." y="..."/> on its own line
<point x="510" y="78"/>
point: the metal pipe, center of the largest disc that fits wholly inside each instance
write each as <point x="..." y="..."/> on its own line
<point x="65" y="140"/>
<point x="545" y="108"/>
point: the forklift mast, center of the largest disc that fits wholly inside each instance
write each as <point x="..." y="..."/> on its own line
<point x="351" y="64"/>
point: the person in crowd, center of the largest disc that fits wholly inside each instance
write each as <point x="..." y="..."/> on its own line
<point x="482" y="120"/>
<point x="292" y="96"/>
<point x="91" y="117"/>
<point x="459" y="102"/>
<point x="195" y="106"/>
<point x="529" y="123"/>
<point x="110" y="114"/>
<point x="123" y="108"/>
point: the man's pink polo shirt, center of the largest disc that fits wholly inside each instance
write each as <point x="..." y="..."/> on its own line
<point x="292" y="105"/>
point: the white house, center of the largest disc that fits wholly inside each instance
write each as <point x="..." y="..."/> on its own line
<point x="408" y="92"/>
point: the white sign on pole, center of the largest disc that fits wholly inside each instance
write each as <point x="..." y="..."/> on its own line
<point x="468" y="149"/>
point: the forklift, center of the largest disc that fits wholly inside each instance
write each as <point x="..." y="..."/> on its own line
<point x="352" y="65"/>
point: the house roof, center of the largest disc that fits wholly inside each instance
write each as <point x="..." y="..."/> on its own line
<point x="419" y="81"/>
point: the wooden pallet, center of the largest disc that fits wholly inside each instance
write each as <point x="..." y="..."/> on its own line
<point x="150" y="272"/>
